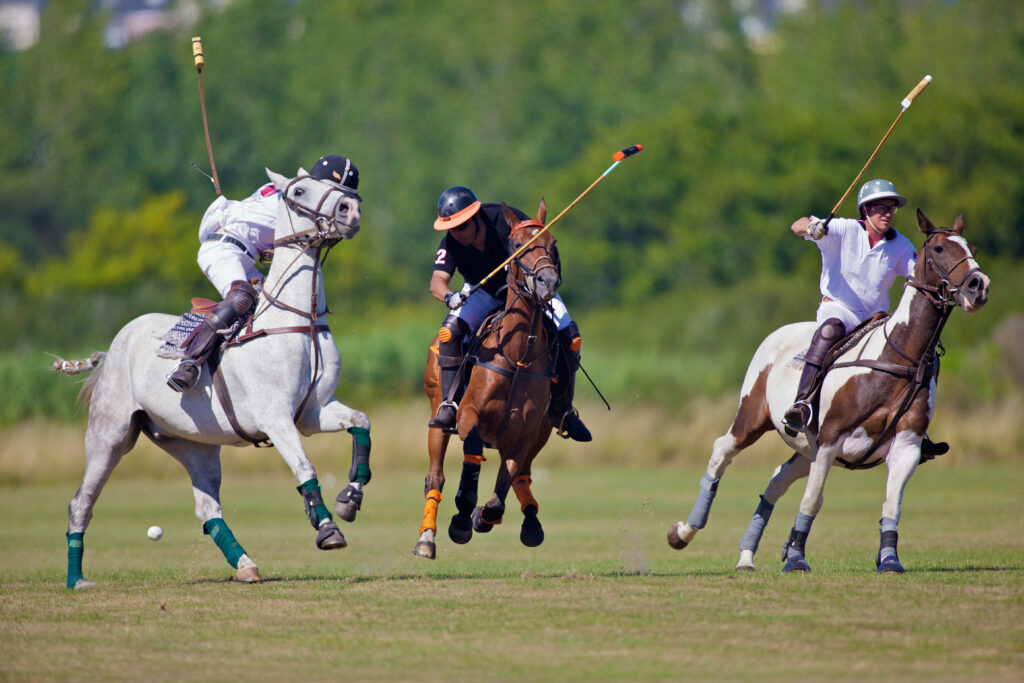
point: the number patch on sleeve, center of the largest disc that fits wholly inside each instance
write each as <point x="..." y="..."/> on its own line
<point x="442" y="254"/>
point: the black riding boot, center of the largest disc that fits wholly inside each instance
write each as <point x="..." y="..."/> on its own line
<point x="563" y="416"/>
<point x="798" y="417"/>
<point x="238" y="302"/>
<point x="449" y="358"/>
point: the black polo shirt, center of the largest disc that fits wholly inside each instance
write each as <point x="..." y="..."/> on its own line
<point x="474" y="265"/>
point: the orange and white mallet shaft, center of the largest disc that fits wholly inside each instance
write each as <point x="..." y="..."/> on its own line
<point x="197" y="55"/>
<point x="904" y="105"/>
<point x="617" y="158"/>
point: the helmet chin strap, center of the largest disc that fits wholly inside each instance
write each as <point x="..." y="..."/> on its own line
<point x="867" y="217"/>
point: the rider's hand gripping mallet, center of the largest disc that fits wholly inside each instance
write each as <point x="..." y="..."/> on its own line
<point x="904" y="105"/>
<point x="197" y="54"/>
<point x="617" y="158"/>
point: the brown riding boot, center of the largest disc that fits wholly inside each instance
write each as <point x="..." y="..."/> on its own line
<point x="220" y="321"/>
<point x="799" y="415"/>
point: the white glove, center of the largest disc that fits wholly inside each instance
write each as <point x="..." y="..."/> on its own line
<point x="816" y="229"/>
<point x="454" y="299"/>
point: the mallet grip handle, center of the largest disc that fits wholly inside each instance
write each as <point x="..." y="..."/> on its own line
<point x="628" y="152"/>
<point x="197" y="52"/>
<point x="916" y="91"/>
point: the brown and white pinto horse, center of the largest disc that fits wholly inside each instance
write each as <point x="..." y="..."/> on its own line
<point x="875" y="403"/>
<point x="505" y="404"/>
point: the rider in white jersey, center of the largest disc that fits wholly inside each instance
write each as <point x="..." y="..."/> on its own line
<point x="860" y="260"/>
<point x="233" y="234"/>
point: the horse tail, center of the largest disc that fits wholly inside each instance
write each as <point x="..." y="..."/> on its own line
<point x="74" y="367"/>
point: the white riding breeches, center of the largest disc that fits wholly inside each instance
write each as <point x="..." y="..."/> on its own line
<point x="223" y="263"/>
<point x="834" y="309"/>
<point x="480" y="304"/>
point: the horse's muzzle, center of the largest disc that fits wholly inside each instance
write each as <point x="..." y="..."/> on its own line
<point x="974" y="292"/>
<point x="546" y="284"/>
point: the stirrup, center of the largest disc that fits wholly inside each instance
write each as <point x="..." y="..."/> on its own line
<point x="799" y="428"/>
<point x="451" y="429"/>
<point x="177" y="387"/>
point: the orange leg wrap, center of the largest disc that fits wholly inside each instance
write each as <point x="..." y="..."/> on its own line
<point x="521" y="485"/>
<point x="475" y="459"/>
<point x="430" y="511"/>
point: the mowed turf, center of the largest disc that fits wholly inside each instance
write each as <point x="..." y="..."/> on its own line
<point x="604" y="598"/>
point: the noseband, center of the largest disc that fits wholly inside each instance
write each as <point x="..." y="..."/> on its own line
<point x="945" y="293"/>
<point x="326" y="227"/>
<point x="527" y="286"/>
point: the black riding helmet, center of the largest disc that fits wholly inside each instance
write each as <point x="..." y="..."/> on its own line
<point x="455" y="206"/>
<point x="339" y="170"/>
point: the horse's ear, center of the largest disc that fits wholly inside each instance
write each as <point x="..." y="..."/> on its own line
<point x="301" y="172"/>
<point x="280" y="182"/>
<point x="923" y="223"/>
<point x="958" y="224"/>
<point x="542" y="211"/>
<point x="511" y="219"/>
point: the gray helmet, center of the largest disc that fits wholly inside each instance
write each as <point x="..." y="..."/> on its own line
<point x="873" y="190"/>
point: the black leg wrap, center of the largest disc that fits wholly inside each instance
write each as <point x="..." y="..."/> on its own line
<point x="889" y="539"/>
<point x="797" y="541"/>
<point x="360" y="469"/>
<point x="312" y="499"/>
<point x="465" y="499"/>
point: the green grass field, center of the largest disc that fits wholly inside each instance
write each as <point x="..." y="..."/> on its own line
<point x="604" y="598"/>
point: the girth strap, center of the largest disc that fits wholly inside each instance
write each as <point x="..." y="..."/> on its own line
<point x="221" y="389"/>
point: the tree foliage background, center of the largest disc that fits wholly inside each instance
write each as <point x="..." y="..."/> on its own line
<point x="683" y="251"/>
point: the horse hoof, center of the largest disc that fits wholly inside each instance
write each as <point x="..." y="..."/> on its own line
<point x="746" y="563"/>
<point x="532" y="533"/>
<point x="890" y="565"/>
<point x="248" y="575"/>
<point x="425" y="549"/>
<point x="796" y="564"/>
<point x="461" y="529"/>
<point x="480" y="525"/>
<point x="83" y="584"/>
<point x="329" y="537"/>
<point x="676" y="540"/>
<point x="348" y="503"/>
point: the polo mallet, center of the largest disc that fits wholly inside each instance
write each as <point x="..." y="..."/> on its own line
<point x="905" y="104"/>
<point x="197" y="55"/>
<point x="617" y="158"/>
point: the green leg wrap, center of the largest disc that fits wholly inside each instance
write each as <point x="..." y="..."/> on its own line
<point x="360" y="470"/>
<point x="218" y="529"/>
<point x="315" y="508"/>
<point x="76" y="548"/>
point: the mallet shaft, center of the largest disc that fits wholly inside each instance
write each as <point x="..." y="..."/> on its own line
<point x="197" y="55"/>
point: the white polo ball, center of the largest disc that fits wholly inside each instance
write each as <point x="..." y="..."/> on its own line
<point x="155" y="533"/>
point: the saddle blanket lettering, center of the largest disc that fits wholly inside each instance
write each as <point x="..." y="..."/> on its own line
<point x="174" y="337"/>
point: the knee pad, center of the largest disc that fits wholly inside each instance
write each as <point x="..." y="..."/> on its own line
<point x="449" y="338"/>
<point x="832" y="330"/>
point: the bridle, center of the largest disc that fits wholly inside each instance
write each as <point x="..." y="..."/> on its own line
<point x="945" y="294"/>
<point x="325" y="228"/>
<point x="527" y="285"/>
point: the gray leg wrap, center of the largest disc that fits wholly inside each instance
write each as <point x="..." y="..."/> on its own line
<point x="752" y="536"/>
<point x="698" y="518"/>
<point x="796" y="546"/>
<point x="888" y="538"/>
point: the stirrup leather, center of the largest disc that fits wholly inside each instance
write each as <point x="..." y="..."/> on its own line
<point x="810" y="417"/>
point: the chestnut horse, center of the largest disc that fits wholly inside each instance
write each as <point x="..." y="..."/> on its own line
<point x="875" y="403"/>
<point x="505" y="405"/>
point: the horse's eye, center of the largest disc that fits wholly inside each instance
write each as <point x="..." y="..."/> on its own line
<point x="299" y="192"/>
<point x="938" y="248"/>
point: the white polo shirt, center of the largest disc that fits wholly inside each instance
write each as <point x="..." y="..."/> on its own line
<point x="857" y="275"/>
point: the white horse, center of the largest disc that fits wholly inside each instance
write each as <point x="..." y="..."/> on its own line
<point x="281" y="381"/>
<point x="875" y="403"/>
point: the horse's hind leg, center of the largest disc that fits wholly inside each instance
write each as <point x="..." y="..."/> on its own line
<point x="437" y="444"/>
<point x="202" y="462"/>
<point x="107" y="439"/>
<point x="785" y="474"/>
<point x="460" y="529"/>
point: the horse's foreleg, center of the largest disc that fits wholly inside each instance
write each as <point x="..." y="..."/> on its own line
<point x="335" y="416"/>
<point x="437" y="444"/>
<point x="904" y="456"/>
<point x="492" y="512"/>
<point x="785" y="474"/>
<point x="286" y="439"/>
<point x="814" y="495"/>
<point x="460" y="529"/>
<point x="202" y="462"/>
